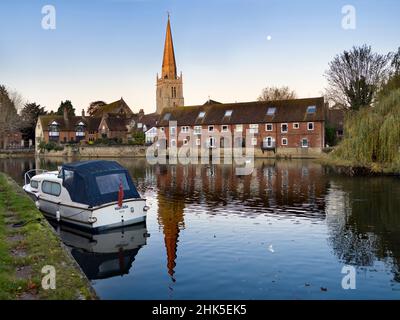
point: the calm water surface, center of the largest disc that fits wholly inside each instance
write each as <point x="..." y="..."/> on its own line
<point x="283" y="232"/>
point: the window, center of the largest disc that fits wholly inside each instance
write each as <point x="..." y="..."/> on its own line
<point x="228" y="113"/>
<point x="198" y="142"/>
<point x="211" y="142"/>
<point x="162" y="129"/>
<point x="284" y="127"/>
<point x="304" y="143"/>
<point x="269" y="127"/>
<point x="140" y="125"/>
<point x="173" y="92"/>
<point x="253" y="141"/>
<point x="225" y="128"/>
<point x="271" y="111"/>
<point x="197" y="130"/>
<point x="239" y="128"/>
<point x="172" y="130"/>
<point x="185" y="142"/>
<point x="253" y="128"/>
<point x="268" y="142"/>
<point x="284" y="141"/>
<point x="201" y="114"/>
<point x="210" y="128"/>
<point x="185" y="129"/>
<point x="296" y="125"/>
<point x="34" y="184"/>
<point x="51" y="188"/>
<point x="310" y="126"/>
<point x="110" y="183"/>
<point x="173" y="143"/>
<point x="311" y="109"/>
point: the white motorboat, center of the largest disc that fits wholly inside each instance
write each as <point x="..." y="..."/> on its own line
<point x="90" y="194"/>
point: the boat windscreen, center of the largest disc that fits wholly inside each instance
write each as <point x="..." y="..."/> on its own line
<point x="110" y="183"/>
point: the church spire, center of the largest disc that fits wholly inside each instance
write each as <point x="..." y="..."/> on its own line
<point x="169" y="64"/>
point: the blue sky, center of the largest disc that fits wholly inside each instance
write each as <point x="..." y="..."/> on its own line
<point x="105" y="49"/>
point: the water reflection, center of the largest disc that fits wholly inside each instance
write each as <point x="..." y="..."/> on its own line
<point x="325" y="219"/>
<point x="106" y="254"/>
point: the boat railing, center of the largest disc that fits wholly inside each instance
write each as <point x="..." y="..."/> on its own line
<point x="31" y="173"/>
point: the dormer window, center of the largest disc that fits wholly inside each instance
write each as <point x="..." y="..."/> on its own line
<point x="271" y="111"/>
<point x="202" y="114"/>
<point x="167" y="116"/>
<point x="54" y="130"/>
<point x="80" y="130"/>
<point x="311" y="109"/>
<point x="228" y="113"/>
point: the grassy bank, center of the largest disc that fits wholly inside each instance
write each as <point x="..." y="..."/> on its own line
<point x="25" y="250"/>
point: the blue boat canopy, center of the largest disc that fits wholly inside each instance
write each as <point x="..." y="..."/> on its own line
<point x="97" y="182"/>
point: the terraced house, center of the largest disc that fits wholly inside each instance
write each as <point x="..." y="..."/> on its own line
<point x="288" y="127"/>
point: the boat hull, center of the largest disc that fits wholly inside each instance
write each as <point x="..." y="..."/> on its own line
<point x="99" y="218"/>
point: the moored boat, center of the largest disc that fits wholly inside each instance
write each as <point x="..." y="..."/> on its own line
<point x="90" y="194"/>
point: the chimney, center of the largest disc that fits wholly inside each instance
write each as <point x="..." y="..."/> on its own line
<point x="141" y="113"/>
<point x="83" y="113"/>
<point x="65" y="114"/>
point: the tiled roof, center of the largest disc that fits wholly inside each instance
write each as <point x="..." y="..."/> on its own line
<point x="246" y="112"/>
<point x="91" y="123"/>
<point x="150" y="120"/>
<point x="117" y="123"/>
<point x="114" y="107"/>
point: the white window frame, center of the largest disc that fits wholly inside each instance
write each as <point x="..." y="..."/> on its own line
<point x="172" y="143"/>
<point x="239" y="128"/>
<point x="253" y="128"/>
<point x="172" y="130"/>
<point x="162" y="129"/>
<point x="198" y="142"/>
<point x="254" y="141"/>
<point x="185" y="129"/>
<point x="308" y="126"/>
<point x="224" y="128"/>
<point x="228" y="113"/>
<point x="211" y="128"/>
<point x="202" y="114"/>
<point x="284" y="139"/>
<point x="269" y="124"/>
<point x="302" y="144"/>
<point x="266" y="140"/>
<point x="287" y="127"/>
<point x="197" y="129"/>
<point x="185" y="142"/>
<point x="296" y="125"/>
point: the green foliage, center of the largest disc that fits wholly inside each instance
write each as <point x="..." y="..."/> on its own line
<point x="108" y="142"/>
<point x="51" y="145"/>
<point x="330" y="135"/>
<point x="138" y="138"/>
<point x="372" y="135"/>
<point x="68" y="105"/>
<point x="29" y="116"/>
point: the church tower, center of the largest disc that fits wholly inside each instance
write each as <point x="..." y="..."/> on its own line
<point x="169" y="85"/>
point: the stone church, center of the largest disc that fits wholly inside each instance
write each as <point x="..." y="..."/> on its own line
<point x="169" y="85"/>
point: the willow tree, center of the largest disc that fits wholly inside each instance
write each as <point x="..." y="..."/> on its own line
<point x="372" y="135"/>
<point x="354" y="77"/>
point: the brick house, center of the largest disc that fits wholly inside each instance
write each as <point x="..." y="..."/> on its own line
<point x="286" y="127"/>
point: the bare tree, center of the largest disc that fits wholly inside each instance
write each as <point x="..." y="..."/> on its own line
<point x="277" y="93"/>
<point x="355" y="76"/>
<point x="9" y="119"/>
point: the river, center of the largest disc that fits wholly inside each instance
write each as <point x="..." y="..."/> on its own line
<point x="283" y="232"/>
